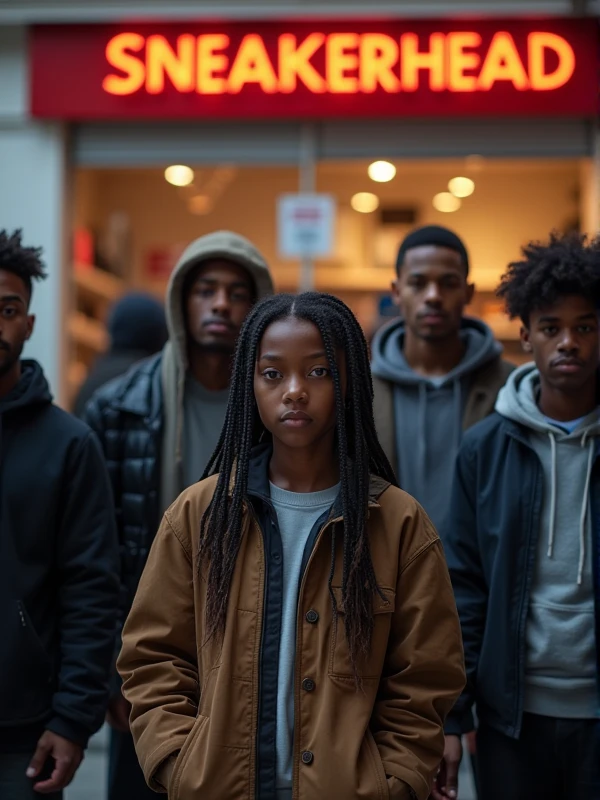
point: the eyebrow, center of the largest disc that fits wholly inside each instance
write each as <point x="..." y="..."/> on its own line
<point x="234" y="285"/>
<point x="590" y="315"/>
<point x="275" y="357"/>
<point x="11" y="298"/>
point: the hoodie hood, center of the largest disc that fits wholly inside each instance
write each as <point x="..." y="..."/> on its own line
<point x="221" y="244"/>
<point x="31" y="390"/>
<point x="389" y="362"/>
<point x="518" y="401"/>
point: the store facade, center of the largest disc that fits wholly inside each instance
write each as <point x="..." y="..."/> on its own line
<point x="259" y="107"/>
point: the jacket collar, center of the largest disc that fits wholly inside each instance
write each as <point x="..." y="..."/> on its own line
<point x="258" y="479"/>
<point x="141" y="390"/>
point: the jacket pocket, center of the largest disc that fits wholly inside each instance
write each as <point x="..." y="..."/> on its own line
<point x="184" y="756"/>
<point x="371" y="666"/>
<point x="27" y="670"/>
<point x="377" y="764"/>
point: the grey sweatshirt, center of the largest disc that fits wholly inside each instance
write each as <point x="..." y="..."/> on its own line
<point x="429" y="412"/>
<point x="560" y="661"/>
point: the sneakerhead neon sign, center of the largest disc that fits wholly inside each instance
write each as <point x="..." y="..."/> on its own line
<point x="353" y="63"/>
<point x="323" y="69"/>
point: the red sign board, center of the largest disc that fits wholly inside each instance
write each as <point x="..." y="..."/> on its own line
<point x="320" y="69"/>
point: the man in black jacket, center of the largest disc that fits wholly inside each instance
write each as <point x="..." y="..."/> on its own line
<point x="58" y="561"/>
<point x="523" y="543"/>
<point x="160" y="423"/>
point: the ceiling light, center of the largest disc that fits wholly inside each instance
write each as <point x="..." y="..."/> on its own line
<point x="446" y="202"/>
<point x="461" y="187"/>
<point x="382" y="171"/>
<point x="179" y="175"/>
<point x="364" y="202"/>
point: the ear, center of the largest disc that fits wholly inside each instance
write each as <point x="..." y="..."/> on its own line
<point x="30" y="326"/>
<point x="470" y="293"/>
<point x="525" y="340"/>
<point x="396" y="293"/>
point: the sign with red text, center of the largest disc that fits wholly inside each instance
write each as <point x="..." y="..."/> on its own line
<point x="321" y="69"/>
<point x="305" y="225"/>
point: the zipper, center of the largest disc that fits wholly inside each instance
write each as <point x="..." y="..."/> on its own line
<point x="21" y="614"/>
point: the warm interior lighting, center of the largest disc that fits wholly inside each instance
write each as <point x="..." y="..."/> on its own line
<point x="446" y="202"/>
<point x="365" y="202"/>
<point x="461" y="187"/>
<point x="179" y="175"/>
<point x="200" y="204"/>
<point x="382" y="171"/>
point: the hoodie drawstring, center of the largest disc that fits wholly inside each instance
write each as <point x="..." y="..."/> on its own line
<point x="422" y="428"/>
<point x="584" y="504"/>
<point x="458" y="414"/>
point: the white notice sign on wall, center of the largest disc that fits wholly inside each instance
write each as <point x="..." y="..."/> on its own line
<point x="305" y="225"/>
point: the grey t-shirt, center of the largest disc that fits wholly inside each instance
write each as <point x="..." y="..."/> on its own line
<point x="203" y="418"/>
<point x="296" y="514"/>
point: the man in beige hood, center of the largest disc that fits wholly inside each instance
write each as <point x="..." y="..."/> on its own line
<point x="159" y="424"/>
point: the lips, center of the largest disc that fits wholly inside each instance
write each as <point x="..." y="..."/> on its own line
<point x="567" y="364"/>
<point x="432" y="316"/>
<point x="217" y="326"/>
<point x="296" y="419"/>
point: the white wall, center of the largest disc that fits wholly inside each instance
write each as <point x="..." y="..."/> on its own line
<point x="32" y="197"/>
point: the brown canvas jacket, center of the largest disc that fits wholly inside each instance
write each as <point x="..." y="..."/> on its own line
<point x="485" y="385"/>
<point x="199" y="700"/>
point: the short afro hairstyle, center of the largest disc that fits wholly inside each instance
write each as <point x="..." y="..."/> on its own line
<point x="566" y="265"/>
<point x="25" y="262"/>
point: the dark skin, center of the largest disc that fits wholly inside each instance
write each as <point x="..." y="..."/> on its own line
<point x="16" y="327"/>
<point x="431" y="292"/>
<point x="294" y="394"/>
<point x="216" y="305"/>
<point x="564" y="342"/>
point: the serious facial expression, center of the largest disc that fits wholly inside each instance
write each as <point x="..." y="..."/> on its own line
<point x="16" y="325"/>
<point x="564" y="341"/>
<point x="216" y="305"/>
<point x="293" y="385"/>
<point x="432" y="291"/>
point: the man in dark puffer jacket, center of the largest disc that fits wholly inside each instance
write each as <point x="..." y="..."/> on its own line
<point x="160" y="423"/>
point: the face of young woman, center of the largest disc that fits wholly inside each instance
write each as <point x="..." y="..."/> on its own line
<point x="293" y="385"/>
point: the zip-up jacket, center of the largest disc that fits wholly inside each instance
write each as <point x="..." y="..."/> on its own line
<point x="58" y="570"/>
<point x="490" y="543"/>
<point x="213" y="703"/>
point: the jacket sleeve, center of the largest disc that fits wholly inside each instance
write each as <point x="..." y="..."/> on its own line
<point x="468" y="579"/>
<point x="158" y="661"/>
<point x="424" y="672"/>
<point x="87" y="564"/>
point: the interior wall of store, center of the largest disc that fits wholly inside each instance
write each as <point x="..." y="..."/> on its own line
<point x="514" y="201"/>
<point x="33" y="197"/>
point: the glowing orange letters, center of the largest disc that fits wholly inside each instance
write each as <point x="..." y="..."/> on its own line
<point x="338" y="63"/>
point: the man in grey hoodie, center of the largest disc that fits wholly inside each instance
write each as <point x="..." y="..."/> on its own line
<point x="523" y="543"/>
<point x="159" y="424"/>
<point x="435" y="372"/>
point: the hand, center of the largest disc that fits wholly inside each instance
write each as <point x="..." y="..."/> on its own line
<point x="446" y="782"/>
<point x="67" y="758"/>
<point x="118" y="712"/>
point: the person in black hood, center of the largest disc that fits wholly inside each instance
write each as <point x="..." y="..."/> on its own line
<point x="58" y="561"/>
<point x="137" y="328"/>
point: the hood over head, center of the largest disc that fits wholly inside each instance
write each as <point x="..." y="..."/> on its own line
<point x="218" y="245"/>
<point x="389" y="362"/>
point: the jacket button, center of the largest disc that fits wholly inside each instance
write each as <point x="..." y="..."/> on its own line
<point x="309" y="685"/>
<point x="307" y="757"/>
<point x="312" y="616"/>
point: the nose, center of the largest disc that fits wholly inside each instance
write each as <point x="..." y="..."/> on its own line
<point x="220" y="302"/>
<point x="295" y="391"/>
<point x="432" y="294"/>
<point x="569" y="341"/>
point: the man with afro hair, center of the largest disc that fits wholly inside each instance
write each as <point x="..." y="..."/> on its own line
<point x="523" y="542"/>
<point x="59" y="561"/>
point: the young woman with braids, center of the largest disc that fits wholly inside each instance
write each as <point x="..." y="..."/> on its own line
<point x="294" y="634"/>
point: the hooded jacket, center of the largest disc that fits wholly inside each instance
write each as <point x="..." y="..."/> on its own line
<point x="139" y="417"/>
<point x="58" y="570"/>
<point x="420" y="420"/>
<point x="522" y="542"/>
<point x="213" y="702"/>
<point x="560" y="668"/>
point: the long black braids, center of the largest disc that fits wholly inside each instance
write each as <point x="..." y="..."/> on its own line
<point x="359" y="451"/>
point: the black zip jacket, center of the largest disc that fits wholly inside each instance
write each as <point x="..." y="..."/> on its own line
<point x="490" y="542"/>
<point x="58" y="570"/>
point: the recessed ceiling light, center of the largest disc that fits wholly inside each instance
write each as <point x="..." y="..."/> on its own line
<point x="382" y="171"/>
<point x="179" y="175"/>
<point x="446" y="202"/>
<point x="364" y="202"/>
<point x="461" y="187"/>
